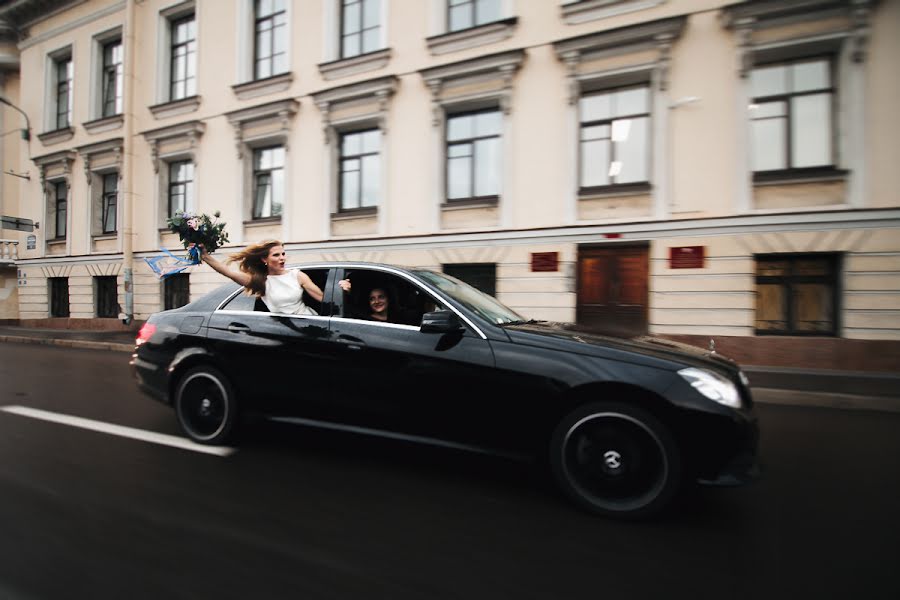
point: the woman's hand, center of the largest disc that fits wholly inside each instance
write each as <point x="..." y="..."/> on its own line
<point x="345" y="284"/>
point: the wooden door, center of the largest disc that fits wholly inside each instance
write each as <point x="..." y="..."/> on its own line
<point x="612" y="289"/>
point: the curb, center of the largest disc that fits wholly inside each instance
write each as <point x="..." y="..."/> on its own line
<point x="86" y="344"/>
<point x="803" y="398"/>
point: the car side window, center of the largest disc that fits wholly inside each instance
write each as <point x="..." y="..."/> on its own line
<point x="406" y="302"/>
<point x="241" y="301"/>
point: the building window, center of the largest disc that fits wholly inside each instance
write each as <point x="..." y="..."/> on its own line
<point x="110" y="201"/>
<point x="792" y="115"/>
<point x="181" y="187"/>
<point x="615" y="137"/>
<point x="270" y="38"/>
<point x="481" y="276"/>
<point x="176" y="291"/>
<point x="360" y="27"/>
<point x="797" y="294"/>
<point x="474" y="159"/>
<point x="63" y="72"/>
<point x="463" y="14"/>
<point x="268" y="182"/>
<point x="59" y="296"/>
<point x="106" y="303"/>
<point x="360" y="179"/>
<point x="60" y="205"/>
<point x="112" y="78"/>
<point x="183" y="53"/>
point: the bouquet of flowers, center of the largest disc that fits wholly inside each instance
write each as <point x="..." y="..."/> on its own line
<point x="192" y="230"/>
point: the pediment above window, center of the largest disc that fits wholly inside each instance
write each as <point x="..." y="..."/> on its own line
<point x="356" y="103"/>
<point x="266" y="121"/>
<point x="100" y="156"/>
<point x="474" y="82"/>
<point x="616" y="52"/>
<point x="180" y="139"/>
<point x="766" y="27"/>
<point x="355" y="65"/>
<point x="472" y="37"/>
<point x="55" y="165"/>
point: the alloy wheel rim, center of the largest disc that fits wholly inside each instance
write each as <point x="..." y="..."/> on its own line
<point x="204" y="408"/>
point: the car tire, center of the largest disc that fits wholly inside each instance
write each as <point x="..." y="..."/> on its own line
<point x="206" y="405"/>
<point x="616" y="460"/>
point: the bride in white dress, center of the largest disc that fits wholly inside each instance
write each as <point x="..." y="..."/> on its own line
<point x="262" y="273"/>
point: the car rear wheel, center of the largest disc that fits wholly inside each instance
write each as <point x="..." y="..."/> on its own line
<point x="206" y="405"/>
<point x="616" y="460"/>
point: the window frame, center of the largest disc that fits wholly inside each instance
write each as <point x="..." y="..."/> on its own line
<point x="832" y="90"/>
<point x="342" y="158"/>
<point x="172" y="296"/>
<point x="450" y="115"/>
<point x="63" y="96"/>
<point x="110" y="202"/>
<point x="58" y="295"/>
<point x="833" y="279"/>
<point x="584" y="190"/>
<point x="106" y="307"/>
<point x="256" y="172"/>
<point x="189" y="57"/>
<point x="473" y="14"/>
<point x="60" y="209"/>
<point x="188" y="185"/>
<point x="275" y="29"/>
<point x="111" y="78"/>
<point x="342" y="55"/>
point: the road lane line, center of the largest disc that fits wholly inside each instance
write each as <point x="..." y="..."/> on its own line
<point x="120" y="430"/>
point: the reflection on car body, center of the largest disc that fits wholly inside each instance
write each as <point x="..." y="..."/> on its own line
<point x="621" y="422"/>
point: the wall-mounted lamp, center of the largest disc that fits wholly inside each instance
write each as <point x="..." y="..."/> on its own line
<point x="26" y="132"/>
<point x="685" y="100"/>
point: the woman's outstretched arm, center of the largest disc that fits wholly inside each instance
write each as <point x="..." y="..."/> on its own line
<point x="237" y="276"/>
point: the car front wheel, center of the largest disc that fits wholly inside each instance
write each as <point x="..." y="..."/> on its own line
<point x="616" y="460"/>
<point x="206" y="406"/>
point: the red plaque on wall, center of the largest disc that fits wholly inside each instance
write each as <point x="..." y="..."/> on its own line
<point x="544" y="261"/>
<point x="686" y="257"/>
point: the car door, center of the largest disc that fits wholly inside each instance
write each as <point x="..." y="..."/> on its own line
<point x="396" y="377"/>
<point x="278" y="362"/>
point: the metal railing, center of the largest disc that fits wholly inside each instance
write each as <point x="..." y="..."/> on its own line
<point x="9" y="251"/>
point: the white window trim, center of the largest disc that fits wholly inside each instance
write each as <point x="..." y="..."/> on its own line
<point x="331" y="25"/>
<point x="378" y="93"/>
<point x="185" y="137"/>
<point x="96" y="91"/>
<point x="280" y="114"/>
<point x="50" y="82"/>
<point x="501" y="67"/>
<point x="61" y="165"/>
<point x="164" y="54"/>
<point x="658" y="36"/>
<point x="247" y="40"/>
<point x="849" y="47"/>
<point x="88" y="155"/>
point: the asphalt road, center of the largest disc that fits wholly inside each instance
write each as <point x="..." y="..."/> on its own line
<point x="297" y="513"/>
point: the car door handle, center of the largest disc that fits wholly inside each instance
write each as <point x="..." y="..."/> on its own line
<point x="238" y="328"/>
<point x="352" y="343"/>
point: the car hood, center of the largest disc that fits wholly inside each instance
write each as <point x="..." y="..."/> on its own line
<point x="639" y="349"/>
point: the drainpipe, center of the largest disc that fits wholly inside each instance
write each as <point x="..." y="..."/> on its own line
<point x="128" y="163"/>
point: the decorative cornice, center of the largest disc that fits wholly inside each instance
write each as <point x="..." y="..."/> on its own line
<point x="502" y="66"/>
<point x="105" y="124"/>
<point x="189" y="130"/>
<point x="589" y="10"/>
<point x="380" y="90"/>
<point x="175" y="107"/>
<point x="657" y="35"/>
<point x="89" y="151"/>
<point x="261" y="87"/>
<point x="56" y="136"/>
<point x="472" y="37"/>
<point x="355" y="65"/>
<point x="282" y="111"/>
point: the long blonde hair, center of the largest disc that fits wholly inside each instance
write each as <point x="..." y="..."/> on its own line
<point x="251" y="262"/>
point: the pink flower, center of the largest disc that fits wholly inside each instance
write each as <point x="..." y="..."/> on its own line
<point x="193" y="224"/>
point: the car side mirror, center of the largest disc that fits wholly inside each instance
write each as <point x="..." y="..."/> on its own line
<point x="440" y="321"/>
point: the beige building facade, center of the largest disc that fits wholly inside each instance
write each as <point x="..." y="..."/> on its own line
<point x="693" y="169"/>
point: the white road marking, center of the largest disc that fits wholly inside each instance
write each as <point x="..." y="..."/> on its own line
<point x="120" y="430"/>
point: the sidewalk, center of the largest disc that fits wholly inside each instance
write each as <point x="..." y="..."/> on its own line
<point x="771" y="385"/>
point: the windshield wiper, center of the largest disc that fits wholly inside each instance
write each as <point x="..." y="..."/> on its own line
<point x="520" y="322"/>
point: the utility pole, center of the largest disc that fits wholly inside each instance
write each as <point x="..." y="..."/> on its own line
<point x="128" y="164"/>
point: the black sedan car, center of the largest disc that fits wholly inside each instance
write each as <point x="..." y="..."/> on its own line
<point x="622" y="423"/>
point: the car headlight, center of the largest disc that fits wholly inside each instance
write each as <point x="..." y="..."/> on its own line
<point x="713" y="386"/>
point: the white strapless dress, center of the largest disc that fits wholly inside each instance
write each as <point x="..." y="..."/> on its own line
<point x="284" y="295"/>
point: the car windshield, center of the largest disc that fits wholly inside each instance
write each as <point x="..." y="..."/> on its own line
<point x="485" y="306"/>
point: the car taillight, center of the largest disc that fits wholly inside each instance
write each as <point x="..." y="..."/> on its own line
<point x="145" y="333"/>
